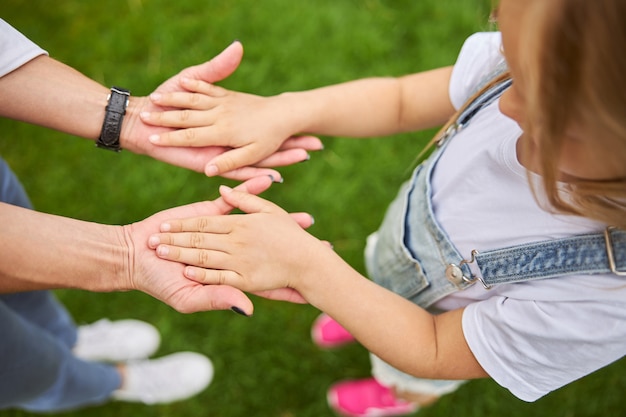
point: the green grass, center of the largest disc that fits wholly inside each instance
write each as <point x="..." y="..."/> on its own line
<point x="265" y="365"/>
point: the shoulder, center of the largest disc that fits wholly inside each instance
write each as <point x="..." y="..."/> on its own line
<point x="479" y="60"/>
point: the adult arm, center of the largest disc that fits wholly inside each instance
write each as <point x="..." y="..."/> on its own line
<point x="43" y="251"/>
<point x="48" y="93"/>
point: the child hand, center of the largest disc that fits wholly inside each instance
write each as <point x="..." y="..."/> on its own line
<point x="256" y="128"/>
<point x="266" y="249"/>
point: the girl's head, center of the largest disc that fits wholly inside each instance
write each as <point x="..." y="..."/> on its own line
<point x="569" y="96"/>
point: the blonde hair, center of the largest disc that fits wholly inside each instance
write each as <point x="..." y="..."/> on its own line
<point x="577" y="72"/>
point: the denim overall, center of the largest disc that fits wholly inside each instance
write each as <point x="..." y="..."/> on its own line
<point x="38" y="371"/>
<point x="412" y="255"/>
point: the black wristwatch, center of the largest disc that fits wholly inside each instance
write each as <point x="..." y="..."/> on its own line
<point x="114" y="115"/>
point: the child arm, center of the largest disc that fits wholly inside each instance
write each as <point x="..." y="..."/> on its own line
<point x="256" y="127"/>
<point x="267" y="249"/>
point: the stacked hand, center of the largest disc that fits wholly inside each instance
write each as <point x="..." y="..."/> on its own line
<point x="199" y="131"/>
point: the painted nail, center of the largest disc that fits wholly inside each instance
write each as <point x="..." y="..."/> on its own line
<point x="239" y="311"/>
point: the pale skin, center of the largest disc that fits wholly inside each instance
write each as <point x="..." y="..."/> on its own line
<point x="104" y="258"/>
<point x="49" y="93"/>
<point x="265" y="249"/>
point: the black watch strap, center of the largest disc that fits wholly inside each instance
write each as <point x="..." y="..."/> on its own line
<point x="114" y="115"/>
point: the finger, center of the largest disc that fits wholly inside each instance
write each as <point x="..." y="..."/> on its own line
<point x="305" y="220"/>
<point x="214" y="297"/>
<point x="283" y="294"/>
<point x="202" y="87"/>
<point x="234" y="159"/>
<point x="214" y="276"/>
<point x="219" y="67"/>
<point x="188" y="121"/>
<point x="203" y="258"/>
<point x="284" y="158"/>
<point x="310" y="143"/>
<point x="254" y="185"/>
<point x="199" y="95"/>
<point x="246" y="202"/>
<point x="246" y="173"/>
<point x="188" y="233"/>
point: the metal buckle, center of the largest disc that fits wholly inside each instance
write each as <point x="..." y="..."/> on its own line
<point x="455" y="275"/>
<point x="609" y="252"/>
<point x="452" y="129"/>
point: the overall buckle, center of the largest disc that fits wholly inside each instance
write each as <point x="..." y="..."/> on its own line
<point x="608" y="239"/>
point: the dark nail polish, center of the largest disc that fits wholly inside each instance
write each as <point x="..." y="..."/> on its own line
<point x="239" y="311"/>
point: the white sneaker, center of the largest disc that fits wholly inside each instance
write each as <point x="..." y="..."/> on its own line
<point x="116" y="341"/>
<point x="160" y="381"/>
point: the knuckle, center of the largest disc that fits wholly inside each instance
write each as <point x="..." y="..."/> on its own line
<point x="189" y="135"/>
<point x="196" y="240"/>
<point x="203" y="258"/>
<point x="222" y="277"/>
<point x="203" y="224"/>
<point x="184" y="115"/>
<point x="196" y="99"/>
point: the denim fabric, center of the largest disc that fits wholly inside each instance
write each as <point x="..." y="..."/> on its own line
<point x="584" y="254"/>
<point x="37" y="369"/>
<point x="412" y="255"/>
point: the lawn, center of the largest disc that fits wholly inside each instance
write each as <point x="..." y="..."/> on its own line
<point x="265" y="364"/>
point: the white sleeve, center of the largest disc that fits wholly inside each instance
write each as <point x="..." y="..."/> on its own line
<point x="15" y="49"/>
<point x="479" y="60"/>
<point x="548" y="333"/>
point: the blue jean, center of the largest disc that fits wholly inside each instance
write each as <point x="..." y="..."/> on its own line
<point x="38" y="371"/>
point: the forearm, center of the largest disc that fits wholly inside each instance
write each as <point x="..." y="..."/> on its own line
<point x="49" y="93"/>
<point x="372" y="106"/>
<point x="42" y="251"/>
<point x="393" y="328"/>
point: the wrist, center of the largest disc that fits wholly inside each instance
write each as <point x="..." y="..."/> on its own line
<point x="128" y="140"/>
<point x="296" y="119"/>
<point x="114" y="112"/>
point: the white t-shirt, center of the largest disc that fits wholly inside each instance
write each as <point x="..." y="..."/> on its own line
<point x="531" y="337"/>
<point x="15" y="49"/>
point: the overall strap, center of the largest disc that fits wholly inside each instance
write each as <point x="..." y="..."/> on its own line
<point x="599" y="253"/>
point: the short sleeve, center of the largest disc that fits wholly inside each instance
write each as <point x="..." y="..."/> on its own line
<point x="555" y="332"/>
<point x="15" y="49"/>
<point x="479" y="60"/>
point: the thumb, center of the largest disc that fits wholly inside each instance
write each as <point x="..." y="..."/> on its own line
<point x="220" y="66"/>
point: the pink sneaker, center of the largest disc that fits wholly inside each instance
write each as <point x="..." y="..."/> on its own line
<point x="367" y="398"/>
<point x="327" y="333"/>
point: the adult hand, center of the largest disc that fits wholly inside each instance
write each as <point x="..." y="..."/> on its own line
<point x="136" y="133"/>
<point x="164" y="279"/>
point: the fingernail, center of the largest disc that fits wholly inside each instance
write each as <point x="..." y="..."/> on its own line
<point x="312" y="220"/>
<point x="155" y="96"/>
<point x="308" y="157"/>
<point x="154" y="138"/>
<point x="154" y="241"/>
<point x="239" y="311"/>
<point x="145" y="115"/>
<point x="225" y="189"/>
<point x="211" y="170"/>
<point x="279" y="181"/>
<point x="163" y="250"/>
<point x="165" y="227"/>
